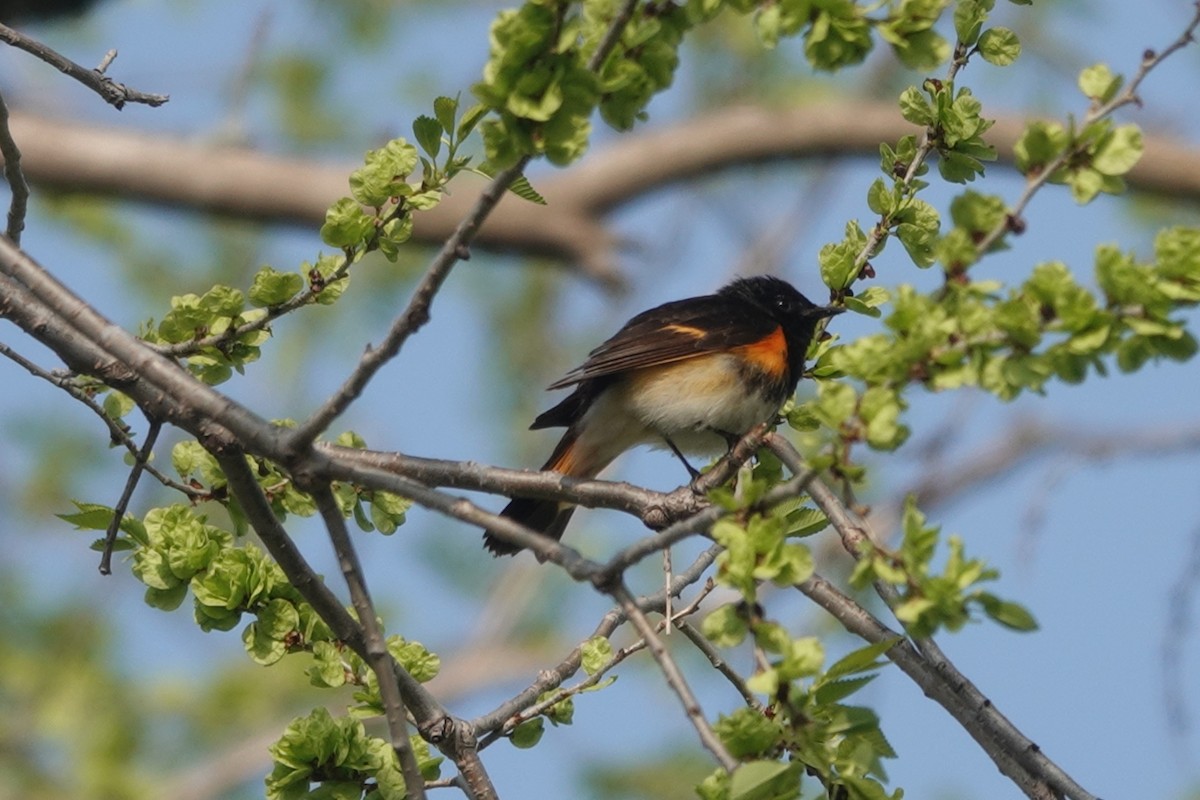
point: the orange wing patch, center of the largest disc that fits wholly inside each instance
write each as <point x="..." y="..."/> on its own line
<point x="769" y="354"/>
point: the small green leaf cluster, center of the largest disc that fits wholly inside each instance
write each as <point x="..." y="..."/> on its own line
<point x="871" y="415"/>
<point x="838" y="33"/>
<point x="334" y="668"/>
<point x="808" y="724"/>
<point x="1049" y="327"/>
<point x="218" y="313"/>
<point x="929" y="601"/>
<point x="378" y="214"/>
<point x="953" y="125"/>
<point x="320" y="756"/>
<point x="595" y="655"/>
<point x="998" y="46"/>
<point x="1090" y="160"/>
<point x="759" y="550"/>
<point x="538" y="85"/>
<point x="643" y="62"/>
<point x="529" y="732"/>
<point x="175" y="549"/>
<point x="371" y="509"/>
<point x="908" y="28"/>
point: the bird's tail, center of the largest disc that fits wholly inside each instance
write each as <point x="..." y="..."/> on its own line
<point x="549" y="517"/>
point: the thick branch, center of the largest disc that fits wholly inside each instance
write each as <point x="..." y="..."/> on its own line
<point x="248" y="184"/>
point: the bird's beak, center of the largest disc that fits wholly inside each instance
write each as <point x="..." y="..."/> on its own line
<point x="830" y="311"/>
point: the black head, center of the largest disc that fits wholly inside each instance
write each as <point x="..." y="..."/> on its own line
<point x="780" y="300"/>
<point x="795" y="313"/>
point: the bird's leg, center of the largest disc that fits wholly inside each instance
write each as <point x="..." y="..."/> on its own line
<point x="695" y="473"/>
<point x="731" y="439"/>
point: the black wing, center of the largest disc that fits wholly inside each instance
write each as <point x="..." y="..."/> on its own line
<point x="673" y="332"/>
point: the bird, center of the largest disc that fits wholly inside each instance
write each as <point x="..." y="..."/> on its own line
<point x="689" y="375"/>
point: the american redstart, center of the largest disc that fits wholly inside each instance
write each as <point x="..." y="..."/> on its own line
<point x="689" y="375"/>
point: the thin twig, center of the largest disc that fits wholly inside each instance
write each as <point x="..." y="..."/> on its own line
<point x="116" y="94"/>
<point x="612" y="35"/>
<point x="116" y="431"/>
<point x="378" y="657"/>
<point x="925" y="149"/>
<point x="674" y="677"/>
<point x="139" y="464"/>
<point x="720" y="664"/>
<point x="106" y="61"/>
<point x="415" y="315"/>
<point x="616" y="659"/>
<point x="456" y="248"/>
<point x="552" y="678"/>
<point x="15" y="177"/>
<point x="1035" y="181"/>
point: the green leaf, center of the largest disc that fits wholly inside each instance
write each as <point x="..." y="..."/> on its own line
<point x="915" y="108"/>
<point x="881" y="199"/>
<point x="969" y="16"/>
<point x="864" y="659"/>
<point x="999" y="46"/>
<point x="595" y="653"/>
<point x="383" y="174"/>
<point x="1118" y="151"/>
<point x="428" y="133"/>
<point x="766" y="780"/>
<point x="444" y="109"/>
<point x="725" y="626"/>
<point x="421" y="664"/>
<point x="528" y="733"/>
<point x="838" y="261"/>
<point x="523" y="189"/>
<point x="346" y="224"/>
<point x="470" y="119"/>
<point x="1040" y="143"/>
<point x="89" y="517"/>
<point x="1009" y="614"/>
<point x="117" y="404"/>
<point x="273" y="288"/>
<point x="835" y="691"/>
<point x="328" y="670"/>
<point x="1099" y="84"/>
<point x="747" y="732"/>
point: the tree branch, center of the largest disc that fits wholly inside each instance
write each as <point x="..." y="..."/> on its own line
<point x="552" y="678"/>
<point x="971" y="716"/>
<point x="378" y="656"/>
<point x="117" y="431"/>
<point x="15" y="177"/>
<point x="455" y="248"/>
<point x="1015" y="754"/>
<point x="139" y="464"/>
<point x="251" y="185"/>
<point x="115" y="94"/>
<point x="674" y="676"/>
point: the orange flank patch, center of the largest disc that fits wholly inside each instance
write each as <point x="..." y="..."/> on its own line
<point x="686" y="330"/>
<point x="567" y="460"/>
<point x="768" y="354"/>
